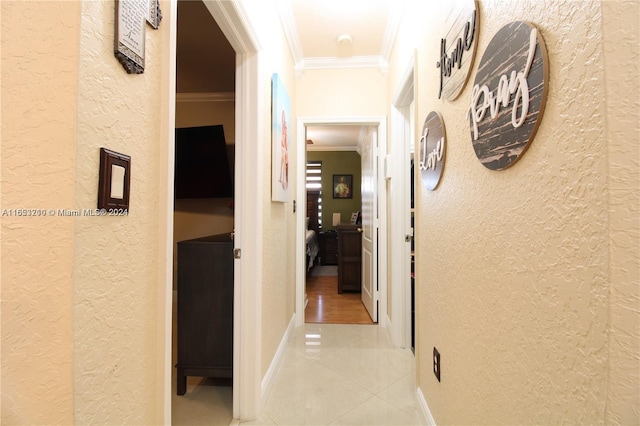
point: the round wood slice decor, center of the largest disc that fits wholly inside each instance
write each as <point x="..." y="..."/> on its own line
<point x="432" y="149"/>
<point x="458" y="48"/>
<point x="509" y="95"/>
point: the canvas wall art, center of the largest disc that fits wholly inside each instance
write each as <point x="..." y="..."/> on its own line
<point x="280" y="120"/>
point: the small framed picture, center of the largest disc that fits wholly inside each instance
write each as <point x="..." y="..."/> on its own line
<point x="342" y="186"/>
<point x="354" y="218"/>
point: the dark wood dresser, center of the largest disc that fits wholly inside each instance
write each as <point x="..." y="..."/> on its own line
<point x="205" y="309"/>
<point x="328" y="247"/>
<point x="349" y="258"/>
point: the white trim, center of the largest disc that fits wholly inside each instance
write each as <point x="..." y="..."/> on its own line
<point x="400" y="325"/>
<point x="290" y="30"/>
<point x="247" y="338"/>
<point x="302" y="122"/>
<point x="333" y="148"/>
<point x="320" y="63"/>
<point x="276" y="362"/>
<point x="206" y="97"/>
<point x="424" y="408"/>
<point x="165" y="299"/>
<point x="391" y="30"/>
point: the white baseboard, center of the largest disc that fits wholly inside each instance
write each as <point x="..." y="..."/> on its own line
<point x="276" y="362"/>
<point x="424" y="408"/>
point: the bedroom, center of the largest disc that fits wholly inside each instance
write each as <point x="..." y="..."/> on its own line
<point x="333" y="200"/>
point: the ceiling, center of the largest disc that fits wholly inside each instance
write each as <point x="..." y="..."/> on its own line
<point x="206" y="61"/>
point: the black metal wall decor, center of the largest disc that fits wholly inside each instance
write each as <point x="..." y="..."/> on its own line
<point x="509" y="95"/>
<point x="432" y="149"/>
<point x="458" y="49"/>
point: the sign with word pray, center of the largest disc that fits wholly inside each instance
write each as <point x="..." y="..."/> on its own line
<point x="458" y="48"/>
<point x="509" y="95"/>
<point x="432" y="148"/>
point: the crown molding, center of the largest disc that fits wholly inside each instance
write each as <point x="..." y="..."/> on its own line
<point x="391" y="30"/>
<point x="333" y="148"/>
<point x="206" y="97"/>
<point x="347" y="62"/>
<point x="290" y="30"/>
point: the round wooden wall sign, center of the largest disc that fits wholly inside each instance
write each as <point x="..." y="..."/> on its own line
<point x="458" y="48"/>
<point x="509" y="95"/>
<point x="432" y="149"/>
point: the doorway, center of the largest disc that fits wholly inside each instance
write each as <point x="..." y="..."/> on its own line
<point x="333" y="160"/>
<point x="234" y="24"/>
<point x="399" y="187"/>
<point x="379" y="272"/>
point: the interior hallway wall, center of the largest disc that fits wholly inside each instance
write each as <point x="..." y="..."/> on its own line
<point x="83" y="297"/>
<point x="118" y="263"/>
<point x="342" y="93"/>
<point x="40" y="45"/>
<point x="279" y="224"/>
<point x="527" y="278"/>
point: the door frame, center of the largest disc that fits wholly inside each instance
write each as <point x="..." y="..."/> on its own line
<point x="233" y="20"/>
<point x="301" y="194"/>
<point x="399" y="219"/>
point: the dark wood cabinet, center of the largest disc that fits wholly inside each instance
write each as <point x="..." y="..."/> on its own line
<point x="349" y="258"/>
<point x="329" y="248"/>
<point x="205" y="309"/>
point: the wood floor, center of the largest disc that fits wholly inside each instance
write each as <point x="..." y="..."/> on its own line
<point x="326" y="306"/>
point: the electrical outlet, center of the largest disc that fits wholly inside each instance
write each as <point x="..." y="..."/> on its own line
<point x="436" y="363"/>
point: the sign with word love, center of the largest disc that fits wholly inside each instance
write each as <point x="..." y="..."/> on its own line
<point x="432" y="149"/>
<point x="509" y="95"/>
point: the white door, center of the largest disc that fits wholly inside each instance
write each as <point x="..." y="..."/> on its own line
<point x="370" y="223"/>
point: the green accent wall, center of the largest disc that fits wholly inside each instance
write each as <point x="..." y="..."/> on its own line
<point x="338" y="163"/>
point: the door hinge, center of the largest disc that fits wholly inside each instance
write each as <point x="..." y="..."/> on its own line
<point x="237" y="253"/>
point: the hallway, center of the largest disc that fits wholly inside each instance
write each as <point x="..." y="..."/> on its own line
<point x="337" y="374"/>
<point x="332" y="374"/>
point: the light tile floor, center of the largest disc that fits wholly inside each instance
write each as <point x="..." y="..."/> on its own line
<point x="331" y="374"/>
<point x="335" y="374"/>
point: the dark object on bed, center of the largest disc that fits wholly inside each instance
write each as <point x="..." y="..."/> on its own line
<point x="312" y="230"/>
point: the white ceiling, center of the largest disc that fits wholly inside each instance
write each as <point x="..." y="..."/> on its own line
<point x="312" y="28"/>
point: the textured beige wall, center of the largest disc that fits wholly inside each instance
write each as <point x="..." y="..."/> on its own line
<point x="527" y="279"/>
<point x="117" y="273"/>
<point x="39" y="89"/>
<point x="278" y="239"/>
<point x="622" y="75"/>
<point x="342" y="92"/>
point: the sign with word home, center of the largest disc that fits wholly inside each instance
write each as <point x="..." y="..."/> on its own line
<point x="458" y="48"/>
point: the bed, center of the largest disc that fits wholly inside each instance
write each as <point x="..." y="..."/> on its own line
<point x="312" y="246"/>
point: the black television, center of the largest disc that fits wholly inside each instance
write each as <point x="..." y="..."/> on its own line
<point x="202" y="163"/>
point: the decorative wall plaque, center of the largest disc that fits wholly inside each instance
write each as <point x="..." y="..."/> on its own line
<point x="509" y="95"/>
<point x="131" y="16"/>
<point x="155" y="14"/>
<point x="432" y="148"/>
<point x="458" y="48"/>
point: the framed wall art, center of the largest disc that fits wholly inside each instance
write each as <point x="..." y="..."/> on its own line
<point x="280" y="119"/>
<point x="342" y="186"/>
